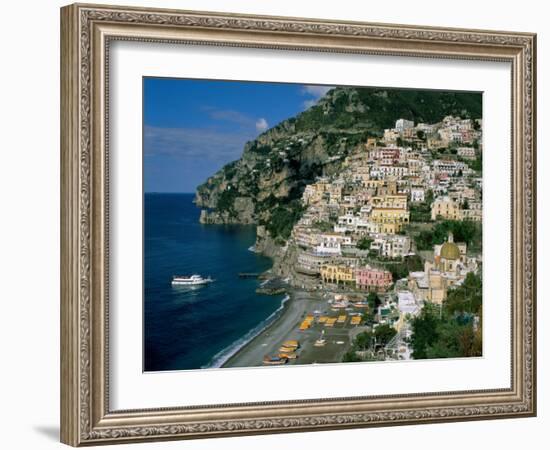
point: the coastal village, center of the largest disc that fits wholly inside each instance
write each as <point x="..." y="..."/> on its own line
<point x="365" y="247"/>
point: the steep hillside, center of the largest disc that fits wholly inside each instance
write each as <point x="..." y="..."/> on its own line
<point x="264" y="186"/>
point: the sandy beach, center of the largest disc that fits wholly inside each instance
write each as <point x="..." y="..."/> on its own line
<point x="286" y="327"/>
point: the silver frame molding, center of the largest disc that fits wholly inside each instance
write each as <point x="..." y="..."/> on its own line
<point x="86" y="32"/>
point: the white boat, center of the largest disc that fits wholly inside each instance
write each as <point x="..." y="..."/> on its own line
<point x="193" y="280"/>
<point x="321" y="342"/>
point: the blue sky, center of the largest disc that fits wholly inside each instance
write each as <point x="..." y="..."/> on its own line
<point x="192" y="128"/>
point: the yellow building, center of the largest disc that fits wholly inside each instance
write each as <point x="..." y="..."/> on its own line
<point x="391" y="220"/>
<point x="337" y="273"/>
<point x="371" y="142"/>
<point x="373" y="184"/>
<point x="396" y="201"/>
<point x="387" y="187"/>
<point x="313" y="193"/>
<point x="446" y="208"/>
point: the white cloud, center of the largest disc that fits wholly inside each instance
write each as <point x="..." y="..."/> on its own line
<point x="310" y="102"/>
<point x="195" y="143"/>
<point x="244" y="121"/>
<point x="261" y="125"/>
<point x="316" y="91"/>
<point x="229" y="115"/>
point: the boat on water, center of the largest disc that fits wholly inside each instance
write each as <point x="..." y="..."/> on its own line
<point x="193" y="280"/>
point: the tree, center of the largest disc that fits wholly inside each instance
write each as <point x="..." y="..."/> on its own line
<point x="323" y="226"/>
<point x="368" y="316"/>
<point x="424" y="328"/>
<point x="351" y="356"/>
<point x="384" y="333"/>
<point x="452" y="329"/>
<point x="373" y="300"/>
<point x="429" y="197"/>
<point x="463" y="231"/>
<point x="421" y="135"/>
<point x="466" y="298"/>
<point x="283" y="218"/>
<point x="364" y="243"/>
<point x="364" y="341"/>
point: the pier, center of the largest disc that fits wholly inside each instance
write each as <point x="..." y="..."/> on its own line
<point x="248" y="275"/>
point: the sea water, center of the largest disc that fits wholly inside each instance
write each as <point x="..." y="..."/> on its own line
<point x="201" y="326"/>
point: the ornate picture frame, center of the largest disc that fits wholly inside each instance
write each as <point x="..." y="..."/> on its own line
<point x="86" y="34"/>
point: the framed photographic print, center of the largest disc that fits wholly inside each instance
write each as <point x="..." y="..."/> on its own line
<point x="276" y="224"/>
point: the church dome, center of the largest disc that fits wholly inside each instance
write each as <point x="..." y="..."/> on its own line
<point x="449" y="250"/>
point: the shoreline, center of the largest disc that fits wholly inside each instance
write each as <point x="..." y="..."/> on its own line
<point x="232" y="350"/>
<point x="233" y="360"/>
<point x="286" y="327"/>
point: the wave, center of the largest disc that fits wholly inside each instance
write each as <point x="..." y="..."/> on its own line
<point x="223" y="356"/>
<point x="252" y="249"/>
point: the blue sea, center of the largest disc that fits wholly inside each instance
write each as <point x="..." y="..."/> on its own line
<point x="193" y="328"/>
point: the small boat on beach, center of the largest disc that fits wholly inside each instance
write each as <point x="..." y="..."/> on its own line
<point x="292" y="344"/>
<point x="274" y="360"/>
<point x="321" y="342"/>
<point x="193" y="280"/>
<point x="288" y="355"/>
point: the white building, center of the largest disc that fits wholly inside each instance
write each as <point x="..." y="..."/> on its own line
<point x="403" y="124"/>
<point x="449" y="167"/>
<point x="466" y="152"/>
<point x="393" y="171"/>
<point x="406" y="303"/>
<point x="331" y="243"/>
<point x="392" y="246"/>
<point x="418" y="195"/>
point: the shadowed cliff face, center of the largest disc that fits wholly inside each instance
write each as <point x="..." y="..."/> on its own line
<point x="265" y="185"/>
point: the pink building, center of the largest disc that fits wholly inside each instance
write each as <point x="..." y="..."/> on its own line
<point x="369" y="278"/>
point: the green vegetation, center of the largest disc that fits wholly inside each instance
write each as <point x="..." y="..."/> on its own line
<point x="283" y="218"/>
<point x="323" y="226"/>
<point x="351" y="356"/>
<point x="369" y="341"/>
<point x="226" y="200"/>
<point x="449" y="330"/>
<point x="467" y="297"/>
<point x="463" y="231"/>
<point x="351" y="108"/>
<point x="255" y="147"/>
<point x="230" y="170"/>
<point x="422" y="212"/>
<point x="384" y="334"/>
<point x="373" y="300"/>
<point x="411" y="263"/>
<point x="364" y="243"/>
<point x="476" y="164"/>
<point x="368" y="316"/>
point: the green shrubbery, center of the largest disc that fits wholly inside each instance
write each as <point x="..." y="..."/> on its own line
<point x="448" y="330"/>
<point x="226" y="200"/>
<point x="463" y="231"/>
<point x="283" y="218"/>
<point x="364" y="243"/>
<point x="412" y="263"/>
<point x="369" y="341"/>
